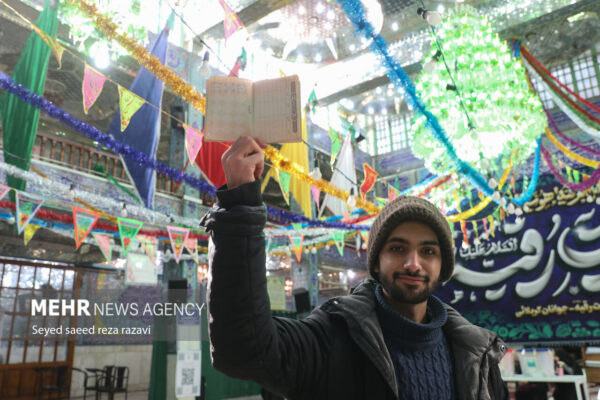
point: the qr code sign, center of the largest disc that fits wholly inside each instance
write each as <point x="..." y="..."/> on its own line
<point x="187" y="376"/>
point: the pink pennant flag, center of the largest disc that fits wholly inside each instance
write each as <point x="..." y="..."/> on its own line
<point x="193" y="141"/>
<point x="105" y="244"/>
<point x="83" y="221"/>
<point x="232" y="22"/>
<point x="149" y="245"/>
<point x="3" y="190"/>
<point x="93" y="82"/>
<point x="316" y="193"/>
<point x="129" y="103"/>
<point x="178" y="237"/>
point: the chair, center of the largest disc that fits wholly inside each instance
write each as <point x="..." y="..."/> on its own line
<point x="54" y="380"/>
<point x="115" y="380"/>
<point x="90" y="379"/>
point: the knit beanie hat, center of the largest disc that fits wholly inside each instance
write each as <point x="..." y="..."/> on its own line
<point x="410" y="208"/>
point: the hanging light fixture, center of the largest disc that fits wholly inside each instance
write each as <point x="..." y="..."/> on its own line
<point x="204" y="69"/>
<point x="432" y="17"/>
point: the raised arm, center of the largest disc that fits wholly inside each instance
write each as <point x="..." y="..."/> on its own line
<point x="283" y="355"/>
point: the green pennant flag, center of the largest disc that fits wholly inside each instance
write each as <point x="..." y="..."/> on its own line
<point x="338" y="237"/>
<point x="569" y="173"/>
<point x="336" y="144"/>
<point x="20" y="119"/>
<point x="284" y="183"/>
<point x="576" y="176"/>
<point x="297" y="226"/>
<point x="312" y="101"/>
<point x="128" y="230"/>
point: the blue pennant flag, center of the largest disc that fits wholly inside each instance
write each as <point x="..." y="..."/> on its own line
<point x="143" y="131"/>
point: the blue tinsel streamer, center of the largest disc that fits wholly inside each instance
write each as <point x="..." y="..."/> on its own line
<point x="355" y="13"/>
<point x="6" y="83"/>
<point x="528" y="194"/>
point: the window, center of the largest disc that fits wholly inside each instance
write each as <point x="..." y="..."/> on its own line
<point x="19" y="284"/>
<point x="585" y="76"/>
<point x="382" y="133"/>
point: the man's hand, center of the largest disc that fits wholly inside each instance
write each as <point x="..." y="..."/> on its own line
<point x="244" y="161"/>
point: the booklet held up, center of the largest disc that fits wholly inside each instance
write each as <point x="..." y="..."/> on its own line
<point x="268" y="109"/>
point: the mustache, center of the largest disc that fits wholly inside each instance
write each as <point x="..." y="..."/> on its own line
<point x="415" y="275"/>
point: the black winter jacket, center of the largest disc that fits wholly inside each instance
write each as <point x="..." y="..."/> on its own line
<point x="338" y="352"/>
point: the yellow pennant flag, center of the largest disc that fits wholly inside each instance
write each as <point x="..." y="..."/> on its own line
<point x="30" y="230"/>
<point x="130" y="103"/>
<point x="56" y="48"/>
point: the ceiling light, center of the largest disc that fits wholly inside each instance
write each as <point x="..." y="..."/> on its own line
<point x="384" y="111"/>
<point x="204" y="69"/>
<point x="394" y="26"/>
<point x="441" y="9"/>
<point x="330" y="15"/>
<point x="432" y="17"/>
<point x="318" y="57"/>
<point x="352" y="47"/>
<point x="301" y="10"/>
<point x="101" y="55"/>
<point x="320" y="8"/>
<point x="327" y="25"/>
<point x="378" y="90"/>
<point x="371" y="110"/>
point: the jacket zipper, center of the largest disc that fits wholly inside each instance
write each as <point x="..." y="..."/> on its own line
<point x="481" y="366"/>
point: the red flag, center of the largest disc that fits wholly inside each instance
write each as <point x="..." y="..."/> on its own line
<point x="369" y="181"/>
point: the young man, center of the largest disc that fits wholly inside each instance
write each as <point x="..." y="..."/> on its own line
<point x="390" y="339"/>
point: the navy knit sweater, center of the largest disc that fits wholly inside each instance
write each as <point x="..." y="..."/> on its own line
<point x="420" y="352"/>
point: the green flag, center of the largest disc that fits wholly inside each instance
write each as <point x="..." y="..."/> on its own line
<point x="19" y="119"/>
<point x="336" y="144"/>
<point x="312" y="101"/>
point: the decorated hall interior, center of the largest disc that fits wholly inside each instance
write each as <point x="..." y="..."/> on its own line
<point x="489" y="109"/>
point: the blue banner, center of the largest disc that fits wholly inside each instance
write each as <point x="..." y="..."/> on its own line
<point x="538" y="279"/>
<point x="143" y="131"/>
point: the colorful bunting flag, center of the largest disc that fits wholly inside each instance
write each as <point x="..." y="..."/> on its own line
<point x="369" y="181"/>
<point x="297" y="245"/>
<point x="313" y="101"/>
<point x="338" y="237"/>
<point x="149" y="245"/>
<point x="284" y="183"/>
<point x="297" y="226"/>
<point x="30" y="230"/>
<point x="365" y="237"/>
<point x="392" y="192"/>
<point x="105" y="243"/>
<point x="3" y="190"/>
<point x="232" y="22"/>
<point x="380" y="201"/>
<point x="56" y="48"/>
<point x="93" y="83"/>
<point x="27" y="206"/>
<point x="178" y="237"/>
<point x="193" y="141"/>
<point x="129" y="103"/>
<point x="128" y="230"/>
<point x="316" y="194"/>
<point x="83" y="220"/>
<point x="336" y="145"/>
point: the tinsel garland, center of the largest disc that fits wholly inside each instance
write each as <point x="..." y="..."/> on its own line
<point x="356" y="14"/>
<point x="6" y="83"/>
<point x="533" y="182"/>
<point x="570" y="153"/>
<point x="139" y="52"/>
<point x="436" y="184"/>
<point x="535" y="61"/>
<point x="567" y="139"/>
<point x="281" y="163"/>
<point x="577" y="187"/>
<point x="418" y="185"/>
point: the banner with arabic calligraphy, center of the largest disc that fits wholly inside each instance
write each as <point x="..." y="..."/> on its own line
<point x="538" y="279"/>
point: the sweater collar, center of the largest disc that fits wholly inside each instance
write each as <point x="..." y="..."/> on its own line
<point x="394" y="323"/>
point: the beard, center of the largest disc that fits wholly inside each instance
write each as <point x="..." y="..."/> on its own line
<point x="409" y="296"/>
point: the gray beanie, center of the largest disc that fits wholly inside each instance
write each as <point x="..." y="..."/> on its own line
<point x="410" y="208"/>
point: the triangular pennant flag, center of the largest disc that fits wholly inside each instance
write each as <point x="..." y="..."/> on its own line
<point x="392" y="193"/>
<point x="56" y="48"/>
<point x="105" y="244"/>
<point x="345" y="215"/>
<point x="297" y="245"/>
<point x="365" y="236"/>
<point x="576" y="176"/>
<point x="27" y="206"/>
<point x="178" y="237"/>
<point x="336" y="145"/>
<point x="232" y="22"/>
<point x="3" y="190"/>
<point x="492" y="229"/>
<point x="129" y="103"/>
<point x="338" y="237"/>
<point x="369" y="181"/>
<point x="191" y="245"/>
<point x="128" y="230"/>
<point x="84" y="221"/>
<point x="149" y="245"/>
<point x="316" y="194"/>
<point x="380" y="201"/>
<point x="463" y="228"/>
<point x="313" y="101"/>
<point x="284" y="183"/>
<point x="30" y="230"/>
<point x="297" y="226"/>
<point x="193" y="141"/>
<point x="93" y="82"/>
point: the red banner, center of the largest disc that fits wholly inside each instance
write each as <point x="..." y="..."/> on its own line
<point x="369" y="181"/>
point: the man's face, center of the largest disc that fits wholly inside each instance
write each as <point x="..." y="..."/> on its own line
<point x="410" y="262"/>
